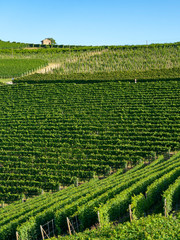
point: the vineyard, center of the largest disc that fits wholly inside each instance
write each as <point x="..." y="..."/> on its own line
<point x="58" y="131"/>
<point x="12" y="45"/>
<point x="151" y="227"/>
<point x="141" y="76"/>
<point x="103" y="59"/>
<point x="95" y="140"/>
<point x="110" y="196"/>
<point x="10" y="68"/>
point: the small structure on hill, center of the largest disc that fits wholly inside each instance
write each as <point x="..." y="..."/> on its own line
<point x="46" y="41"/>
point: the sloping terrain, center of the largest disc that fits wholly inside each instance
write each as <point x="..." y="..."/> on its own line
<point x="58" y="131"/>
<point x="152" y="227"/>
<point x="110" y="196"/>
<point x="10" y="68"/>
<point x="87" y="120"/>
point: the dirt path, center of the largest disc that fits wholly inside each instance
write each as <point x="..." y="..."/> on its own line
<point x="48" y="68"/>
<point x="10" y="82"/>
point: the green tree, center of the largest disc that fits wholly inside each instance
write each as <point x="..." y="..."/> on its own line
<point x="53" y="42"/>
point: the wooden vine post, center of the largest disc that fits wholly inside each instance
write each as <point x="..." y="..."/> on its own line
<point x="69" y="228"/>
<point x="165" y="207"/>
<point x="99" y="219"/>
<point x="130" y="213"/>
<point x="42" y="233"/>
<point x="17" y="236"/>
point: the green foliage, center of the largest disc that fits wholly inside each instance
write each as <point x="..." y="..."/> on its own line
<point x="12" y="45"/>
<point x="83" y="201"/>
<point x="84" y="60"/>
<point x="53" y="42"/>
<point x="138" y="205"/>
<point x="149" y="228"/>
<point x="26" y="231"/>
<point x="75" y="180"/>
<point x="141" y="76"/>
<point x="172" y="195"/>
<point x="155" y="182"/>
<point x="53" y="132"/>
<point x="141" y="205"/>
<point x="155" y="190"/>
<point x="18" y="67"/>
<point x="80" y="125"/>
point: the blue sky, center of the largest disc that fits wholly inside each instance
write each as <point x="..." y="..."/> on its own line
<point x="90" y="22"/>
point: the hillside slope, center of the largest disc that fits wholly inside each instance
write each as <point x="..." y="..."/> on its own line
<point x="110" y="196"/>
<point x="150" y="228"/>
<point x="57" y="131"/>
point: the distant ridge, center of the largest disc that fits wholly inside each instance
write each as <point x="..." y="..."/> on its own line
<point x="19" y="45"/>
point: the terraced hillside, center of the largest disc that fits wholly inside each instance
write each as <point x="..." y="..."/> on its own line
<point x="110" y="196"/>
<point x="53" y="132"/>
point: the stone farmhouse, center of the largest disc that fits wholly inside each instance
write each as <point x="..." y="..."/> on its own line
<point x="46" y="41"/>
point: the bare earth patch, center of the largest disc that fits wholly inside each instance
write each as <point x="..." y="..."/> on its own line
<point x="10" y="82"/>
<point x="48" y="68"/>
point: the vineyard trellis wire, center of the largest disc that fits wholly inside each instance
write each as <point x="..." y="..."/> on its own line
<point x="48" y="229"/>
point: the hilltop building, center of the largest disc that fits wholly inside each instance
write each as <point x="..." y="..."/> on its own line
<point x="46" y="41"/>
